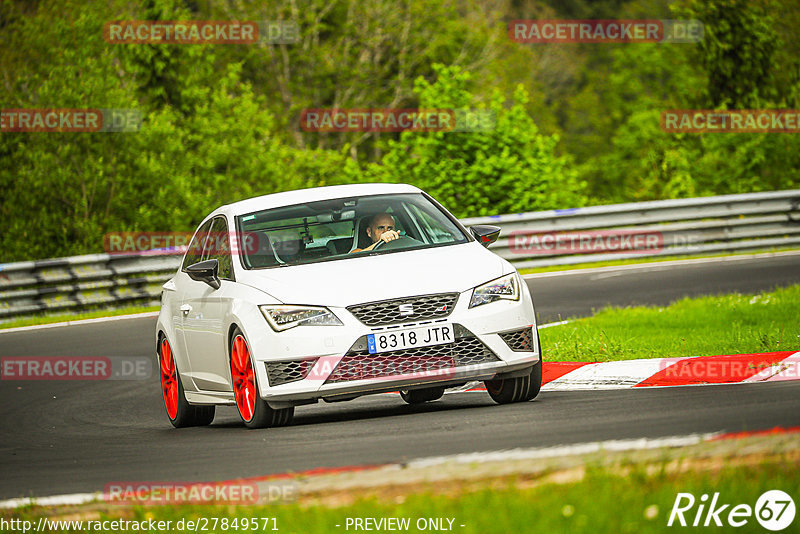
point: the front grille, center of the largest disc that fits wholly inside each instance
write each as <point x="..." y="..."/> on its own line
<point x="361" y="365"/>
<point x="387" y="312"/>
<point x="519" y="340"/>
<point x="289" y="371"/>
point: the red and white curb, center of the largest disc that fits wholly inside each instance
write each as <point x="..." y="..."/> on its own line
<point x="729" y="369"/>
<point x="659" y="372"/>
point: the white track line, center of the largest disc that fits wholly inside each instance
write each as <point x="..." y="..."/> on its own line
<point x="79" y="322"/>
<point x="562" y="450"/>
<point x="653" y="264"/>
<point x="559" y="323"/>
<point x="56" y="500"/>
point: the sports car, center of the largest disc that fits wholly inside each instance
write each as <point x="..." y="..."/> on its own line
<point x="337" y="292"/>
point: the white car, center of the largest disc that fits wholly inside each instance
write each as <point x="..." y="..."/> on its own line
<point x="285" y="299"/>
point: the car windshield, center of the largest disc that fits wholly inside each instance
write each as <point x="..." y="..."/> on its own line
<point x="337" y="229"/>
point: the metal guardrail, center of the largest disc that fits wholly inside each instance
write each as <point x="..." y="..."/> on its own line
<point x="730" y="223"/>
<point x="706" y="225"/>
<point x="82" y="282"/>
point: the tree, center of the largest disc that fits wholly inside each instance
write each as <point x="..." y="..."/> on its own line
<point x="512" y="168"/>
<point x="737" y="51"/>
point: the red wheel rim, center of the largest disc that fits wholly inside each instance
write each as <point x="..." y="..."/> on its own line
<point x="244" y="380"/>
<point x="169" y="379"/>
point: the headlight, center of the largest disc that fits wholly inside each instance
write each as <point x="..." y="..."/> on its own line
<point x="503" y="288"/>
<point x="282" y="317"/>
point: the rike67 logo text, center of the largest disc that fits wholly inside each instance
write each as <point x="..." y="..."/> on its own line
<point x="774" y="510"/>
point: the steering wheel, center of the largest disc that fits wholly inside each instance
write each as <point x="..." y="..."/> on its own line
<point x="401" y="242"/>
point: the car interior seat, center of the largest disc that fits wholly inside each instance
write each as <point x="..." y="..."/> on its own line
<point x="360" y="238"/>
<point x="264" y="253"/>
<point x="289" y="250"/>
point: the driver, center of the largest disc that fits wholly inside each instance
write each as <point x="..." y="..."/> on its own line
<point x="380" y="228"/>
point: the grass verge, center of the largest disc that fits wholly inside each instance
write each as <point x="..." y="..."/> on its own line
<point x="66" y="317"/>
<point x="705" y="326"/>
<point x="625" y="496"/>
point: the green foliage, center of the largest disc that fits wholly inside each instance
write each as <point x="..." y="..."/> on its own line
<point x="737" y="51"/>
<point x="734" y="67"/>
<point x="638" y="161"/>
<point x="61" y="192"/>
<point x="509" y="169"/>
<point x="576" y="124"/>
<point x="605" y="491"/>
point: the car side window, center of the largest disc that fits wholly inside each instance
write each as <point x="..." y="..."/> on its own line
<point x="195" y="251"/>
<point x="218" y="247"/>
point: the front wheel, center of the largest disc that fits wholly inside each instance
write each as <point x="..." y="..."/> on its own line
<point x="254" y="411"/>
<point x="419" y="396"/>
<point x="180" y="412"/>
<point x="519" y="389"/>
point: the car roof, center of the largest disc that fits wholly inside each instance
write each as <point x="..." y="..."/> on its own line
<point x="312" y="194"/>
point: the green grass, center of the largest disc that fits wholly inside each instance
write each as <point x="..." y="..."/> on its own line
<point x="644" y="259"/>
<point x="49" y="319"/>
<point x="727" y="324"/>
<point x="633" y="499"/>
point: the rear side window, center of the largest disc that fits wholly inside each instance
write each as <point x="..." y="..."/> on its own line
<point x="195" y="250"/>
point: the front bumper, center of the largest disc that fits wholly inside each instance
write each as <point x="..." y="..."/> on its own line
<point x="325" y="348"/>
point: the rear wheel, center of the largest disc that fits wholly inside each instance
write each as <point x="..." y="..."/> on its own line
<point x="254" y="411"/>
<point x="418" y="396"/>
<point x="519" y="389"/>
<point x="179" y="411"/>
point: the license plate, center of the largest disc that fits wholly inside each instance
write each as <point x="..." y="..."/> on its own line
<point x="421" y="336"/>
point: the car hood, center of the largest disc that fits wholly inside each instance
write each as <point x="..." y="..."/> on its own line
<point x="365" y="279"/>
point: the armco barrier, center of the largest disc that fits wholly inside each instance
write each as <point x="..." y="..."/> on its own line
<point x="730" y="223"/>
<point x="80" y="282"/>
<point x="707" y="225"/>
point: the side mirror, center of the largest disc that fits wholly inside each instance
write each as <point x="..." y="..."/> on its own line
<point x="205" y="271"/>
<point x="485" y="234"/>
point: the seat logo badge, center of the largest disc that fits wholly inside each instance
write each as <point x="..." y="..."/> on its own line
<point x="406" y="309"/>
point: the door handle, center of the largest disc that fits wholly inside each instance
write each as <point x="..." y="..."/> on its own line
<point x="186" y="309"/>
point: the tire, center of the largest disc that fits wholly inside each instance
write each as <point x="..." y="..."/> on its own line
<point x="419" y="396"/>
<point x="519" y="389"/>
<point x="254" y="411"/>
<point x="179" y="411"/>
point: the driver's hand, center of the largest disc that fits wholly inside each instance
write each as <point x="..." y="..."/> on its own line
<point x="389" y="235"/>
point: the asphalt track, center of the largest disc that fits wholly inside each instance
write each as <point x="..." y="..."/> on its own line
<point x="74" y="437"/>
